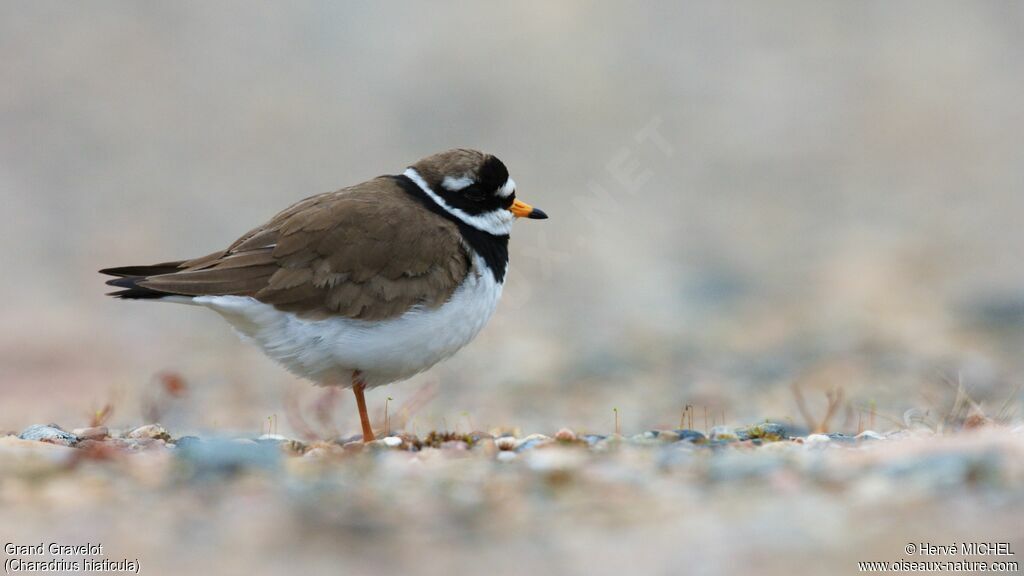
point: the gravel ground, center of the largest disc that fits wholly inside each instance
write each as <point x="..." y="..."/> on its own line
<point x="826" y="230"/>
<point x="662" y="502"/>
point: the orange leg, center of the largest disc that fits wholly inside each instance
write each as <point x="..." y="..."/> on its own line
<point x="364" y="418"/>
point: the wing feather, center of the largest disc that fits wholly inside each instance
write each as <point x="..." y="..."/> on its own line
<point x="368" y="252"/>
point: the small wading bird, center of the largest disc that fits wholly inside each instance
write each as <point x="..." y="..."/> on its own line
<point x="364" y="286"/>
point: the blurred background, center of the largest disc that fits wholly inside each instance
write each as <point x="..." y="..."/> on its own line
<point x="743" y="196"/>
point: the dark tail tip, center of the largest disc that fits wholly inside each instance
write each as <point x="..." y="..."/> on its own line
<point x="128" y="277"/>
<point x="141" y="271"/>
<point x="132" y="290"/>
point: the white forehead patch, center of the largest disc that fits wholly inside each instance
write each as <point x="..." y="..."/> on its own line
<point x="507" y="188"/>
<point x="456" y="184"/>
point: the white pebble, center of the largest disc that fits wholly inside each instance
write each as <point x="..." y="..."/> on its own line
<point x="506" y="443"/>
<point x="150" y="431"/>
<point x="91" y="433"/>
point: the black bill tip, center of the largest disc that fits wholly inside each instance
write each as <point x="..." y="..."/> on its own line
<point x="537" y="214"/>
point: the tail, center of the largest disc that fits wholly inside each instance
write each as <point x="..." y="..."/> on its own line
<point x="128" y="277"/>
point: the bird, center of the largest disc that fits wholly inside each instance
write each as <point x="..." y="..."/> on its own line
<point x="364" y="286"/>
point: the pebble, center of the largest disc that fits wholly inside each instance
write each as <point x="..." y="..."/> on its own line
<point x="392" y="441"/>
<point x="144" y="443"/>
<point x="779" y="447"/>
<point x="643" y="438"/>
<point x="666" y="435"/>
<point x="869" y="435"/>
<point x="565" y="435"/>
<point x="532" y="441"/>
<point x="51" y="434"/>
<point x="817" y="439"/>
<point x="655" y="436"/>
<point x="592" y="439"/>
<point x="840" y="437"/>
<point x="529" y="445"/>
<point x="769" y="431"/>
<point x="506" y="443"/>
<point x="154" y="431"/>
<point x="455" y="445"/>
<point x="722" y="433"/>
<point x="91" y="433"/>
<point x="692" y="436"/>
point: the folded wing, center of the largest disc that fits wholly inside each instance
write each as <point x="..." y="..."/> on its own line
<point x="369" y="252"/>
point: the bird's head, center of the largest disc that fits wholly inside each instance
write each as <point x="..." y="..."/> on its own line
<point x="474" y="186"/>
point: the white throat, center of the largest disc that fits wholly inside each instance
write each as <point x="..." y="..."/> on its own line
<point x="497" y="222"/>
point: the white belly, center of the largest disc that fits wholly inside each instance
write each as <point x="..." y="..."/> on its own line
<point x="328" y="351"/>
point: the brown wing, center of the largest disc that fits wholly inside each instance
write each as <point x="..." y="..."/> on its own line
<point x="369" y="252"/>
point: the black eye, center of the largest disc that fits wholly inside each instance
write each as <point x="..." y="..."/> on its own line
<point x="475" y="194"/>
